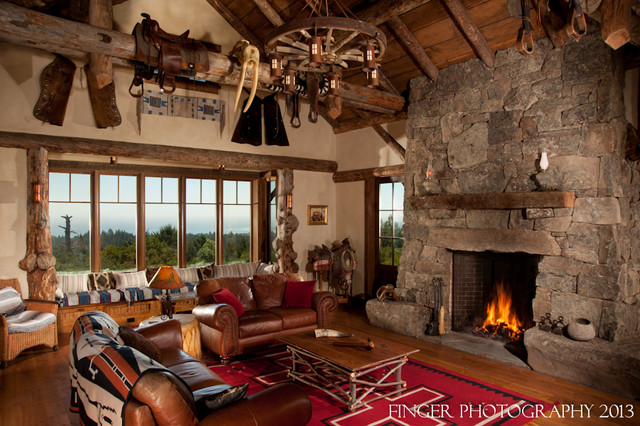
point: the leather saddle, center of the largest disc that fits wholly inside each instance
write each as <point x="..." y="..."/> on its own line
<point x="163" y="56"/>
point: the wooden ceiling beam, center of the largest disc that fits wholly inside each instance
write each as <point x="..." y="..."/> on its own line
<point x="470" y="30"/>
<point x="237" y="24"/>
<point x="416" y="51"/>
<point x="174" y="154"/>
<point x="384" y="10"/>
<point x="361" y="123"/>
<point x="386" y="137"/>
<point x="32" y="29"/>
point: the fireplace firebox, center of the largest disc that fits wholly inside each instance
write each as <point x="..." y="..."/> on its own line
<point x="493" y="293"/>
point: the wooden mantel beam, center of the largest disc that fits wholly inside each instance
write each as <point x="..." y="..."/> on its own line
<point x="28" y="28"/>
<point x="205" y="157"/>
<point x="470" y="30"/>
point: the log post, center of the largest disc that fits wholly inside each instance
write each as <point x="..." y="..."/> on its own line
<point x="286" y="223"/>
<point x="39" y="261"/>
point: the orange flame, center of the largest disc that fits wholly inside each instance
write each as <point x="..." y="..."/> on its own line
<point x="500" y="316"/>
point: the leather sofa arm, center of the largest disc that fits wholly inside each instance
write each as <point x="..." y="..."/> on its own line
<point x="324" y="302"/>
<point x="218" y="328"/>
<point x="42" y="306"/>
<point x="165" y="334"/>
<point x="219" y="316"/>
<point x="286" y="404"/>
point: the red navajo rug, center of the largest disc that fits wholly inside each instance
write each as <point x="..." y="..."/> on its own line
<point x="434" y="396"/>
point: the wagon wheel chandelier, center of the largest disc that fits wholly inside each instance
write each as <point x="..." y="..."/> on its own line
<point x="325" y="45"/>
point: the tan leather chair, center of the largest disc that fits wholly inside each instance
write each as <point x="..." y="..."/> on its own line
<point x="12" y="344"/>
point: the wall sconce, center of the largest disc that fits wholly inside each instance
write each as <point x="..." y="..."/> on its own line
<point x="276" y="66"/>
<point x="289" y="201"/>
<point x="544" y="161"/>
<point x="113" y="160"/>
<point x="430" y="181"/>
<point x="37" y="193"/>
<point x="315" y="51"/>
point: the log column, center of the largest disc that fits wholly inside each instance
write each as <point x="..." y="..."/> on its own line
<point x="39" y="261"/>
<point x="286" y="223"/>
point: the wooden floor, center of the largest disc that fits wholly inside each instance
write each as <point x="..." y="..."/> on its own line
<point x="34" y="388"/>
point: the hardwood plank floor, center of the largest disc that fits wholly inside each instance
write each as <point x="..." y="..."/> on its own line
<point x="34" y="388"/>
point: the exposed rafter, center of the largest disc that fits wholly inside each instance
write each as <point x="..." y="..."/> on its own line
<point x="237" y="25"/>
<point x="404" y="35"/>
<point x="361" y="123"/>
<point x="386" y="137"/>
<point x="472" y="33"/>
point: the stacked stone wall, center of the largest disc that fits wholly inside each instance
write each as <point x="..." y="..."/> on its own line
<point x="483" y="131"/>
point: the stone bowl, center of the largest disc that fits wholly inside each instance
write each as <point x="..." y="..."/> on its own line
<point x="581" y="329"/>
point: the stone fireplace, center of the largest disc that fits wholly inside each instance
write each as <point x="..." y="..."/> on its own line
<point x="482" y="132"/>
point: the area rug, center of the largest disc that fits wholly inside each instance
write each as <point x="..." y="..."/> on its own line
<point x="434" y="396"/>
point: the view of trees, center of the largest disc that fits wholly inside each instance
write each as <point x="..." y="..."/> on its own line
<point x="118" y="249"/>
<point x="391" y="242"/>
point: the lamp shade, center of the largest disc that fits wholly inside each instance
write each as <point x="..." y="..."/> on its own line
<point x="166" y="278"/>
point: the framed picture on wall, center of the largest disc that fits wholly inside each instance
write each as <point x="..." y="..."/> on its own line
<point x="317" y="215"/>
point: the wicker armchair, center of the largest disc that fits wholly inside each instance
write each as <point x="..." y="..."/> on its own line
<point x="12" y="344"/>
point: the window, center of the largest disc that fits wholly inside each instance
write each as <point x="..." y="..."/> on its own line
<point x="70" y="215"/>
<point x="118" y="207"/>
<point x="390" y="221"/>
<point x="236" y="214"/>
<point x="201" y="221"/>
<point x="185" y="220"/>
<point x="161" y="221"/>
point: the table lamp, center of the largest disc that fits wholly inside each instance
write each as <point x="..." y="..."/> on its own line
<point x="167" y="279"/>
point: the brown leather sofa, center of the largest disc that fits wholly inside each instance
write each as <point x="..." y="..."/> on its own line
<point x="157" y="396"/>
<point x="264" y="319"/>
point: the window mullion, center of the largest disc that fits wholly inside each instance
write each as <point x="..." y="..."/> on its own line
<point x="140" y="223"/>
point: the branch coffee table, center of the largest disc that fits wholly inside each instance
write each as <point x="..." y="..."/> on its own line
<point x="348" y="374"/>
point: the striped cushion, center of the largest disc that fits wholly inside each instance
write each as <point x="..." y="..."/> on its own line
<point x="11" y="302"/>
<point x="236" y="270"/>
<point x="29" y="321"/>
<point x="188" y="275"/>
<point x="130" y="279"/>
<point x="73" y="283"/>
<point x="266" y="268"/>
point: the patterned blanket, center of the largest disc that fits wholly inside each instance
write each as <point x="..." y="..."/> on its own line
<point x="102" y="370"/>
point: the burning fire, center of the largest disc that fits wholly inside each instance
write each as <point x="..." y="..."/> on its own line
<point x="501" y="320"/>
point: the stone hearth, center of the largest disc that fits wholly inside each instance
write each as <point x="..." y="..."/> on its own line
<point x="483" y="132"/>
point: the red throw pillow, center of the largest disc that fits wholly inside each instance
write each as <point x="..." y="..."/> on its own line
<point x="298" y="294"/>
<point x="225" y="296"/>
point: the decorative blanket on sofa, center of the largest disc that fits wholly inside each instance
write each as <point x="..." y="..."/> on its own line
<point x="102" y="371"/>
<point x="119" y="295"/>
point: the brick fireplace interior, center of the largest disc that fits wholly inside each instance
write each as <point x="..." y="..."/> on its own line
<point x="476" y="279"/>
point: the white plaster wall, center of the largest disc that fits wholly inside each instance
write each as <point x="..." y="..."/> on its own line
<point x="13" y="214"/>
<point x="312" y="188"/>
<point x="361" y="149"/>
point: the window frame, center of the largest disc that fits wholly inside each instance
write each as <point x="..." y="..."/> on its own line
<point x="95" y="170"/>
<point x="393" y="238"/>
